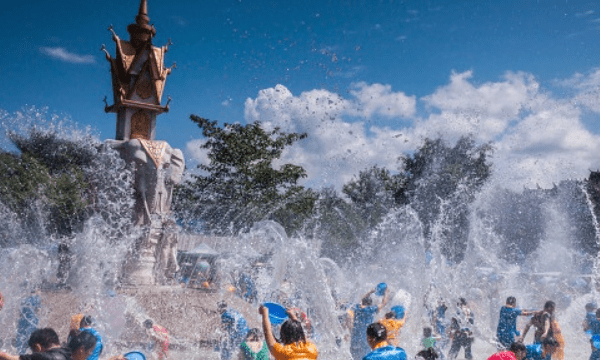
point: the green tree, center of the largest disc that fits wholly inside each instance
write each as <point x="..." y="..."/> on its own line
<point x="371" y="193"/>
<point x="338" y="225"/>
<point x="440" y="182"/>
<point x="240" y="184"/>
<point x="55" y="182"/>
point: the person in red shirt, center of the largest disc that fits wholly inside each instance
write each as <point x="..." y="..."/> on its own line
<point x="517" y="351"/>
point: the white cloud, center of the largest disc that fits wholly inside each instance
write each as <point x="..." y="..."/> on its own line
<point x="62" y="54"/>
<point x="539" y="139"/>
<point x="547" y="146"/>
<point x="378" y="99"/>
<point x="587" y="89"/>
<point x="484" y="111"/>
<point x="195" y="153"/>
<point x="335" y="149"/>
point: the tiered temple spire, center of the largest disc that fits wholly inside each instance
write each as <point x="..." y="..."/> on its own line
<point x="138" y="79"/>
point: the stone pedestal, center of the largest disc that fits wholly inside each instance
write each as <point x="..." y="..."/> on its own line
<point x="142" y="262"/>
<point x="154" y="259"/>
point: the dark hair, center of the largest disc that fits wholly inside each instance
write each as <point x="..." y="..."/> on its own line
<point x="598" y="313"/>
<point x="292" y="332"/>
<point x="390" y="315"/>
<point x="589" y="307"/>
<point x="148" y="324"/>
<point x="549" y="305"/>
<point x="427" y="332"/>
<point x="253" y="333"/>
<point x="428" y="354"/>
<point x="462" y="301"/>
<point x="550" y="341"/>
<point x="85" y="339"/>
<point x="511" y="300"/>
<point x="44" y="337"/>
<point x="86" y="321"/>
<point x="367" y="301"/>
<point x="377" y="332"/>
<point x="517" y="346"/>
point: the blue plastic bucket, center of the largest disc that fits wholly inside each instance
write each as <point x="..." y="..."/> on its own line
<point x="596" y="341"/>
<point x="135" y="355"/>
<point x="399" y="310"/>
<point x="380" y="289"/>
<point x="277" y="313"/>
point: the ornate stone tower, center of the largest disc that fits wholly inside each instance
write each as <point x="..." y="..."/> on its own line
<point x="138" y="79"/>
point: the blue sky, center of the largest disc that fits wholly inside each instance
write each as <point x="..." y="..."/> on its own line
<point x="366" y="79"/>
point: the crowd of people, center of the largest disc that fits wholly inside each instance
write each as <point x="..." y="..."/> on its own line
<point x="84" y="342"/>
<point x="448" y="333"/>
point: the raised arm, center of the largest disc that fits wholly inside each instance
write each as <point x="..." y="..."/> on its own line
<point x="526" y="312"/>
<point x="292" y="314"/>
<point x="586" y="325"/>
<point x="525" y="330"/>
<point x="385" y="298"/>
<point x="368" y="293"/>
<point x="547" y="327"/>
<point x="266" y="323"/>
<point x="5" y="356"/>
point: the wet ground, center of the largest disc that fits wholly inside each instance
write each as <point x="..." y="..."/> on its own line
<point x="190" y="315"/>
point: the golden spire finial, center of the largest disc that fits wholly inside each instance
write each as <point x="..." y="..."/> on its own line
<point x="142" y="16"/>
<point x="141" y="32"/>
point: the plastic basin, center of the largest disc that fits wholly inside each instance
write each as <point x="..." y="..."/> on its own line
<point x="135" y="355"/>
<point x="277" y="313"/>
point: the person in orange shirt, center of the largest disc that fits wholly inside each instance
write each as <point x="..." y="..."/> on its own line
<point x="393" y="322"/>
<point x="294" y="345"/>
<point x="559" y="353"/>
<point x="74" y="326"/>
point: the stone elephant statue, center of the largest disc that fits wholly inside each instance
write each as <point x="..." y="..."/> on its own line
<point x="158" y="167"/>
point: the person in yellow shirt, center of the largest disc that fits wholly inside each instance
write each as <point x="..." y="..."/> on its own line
<point x="559" y="354"/>
<point x="74" y="326"/>
<point x="293" y="345"/>
<point x="393" y="322"/>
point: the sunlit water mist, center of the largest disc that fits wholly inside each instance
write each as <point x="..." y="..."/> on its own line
<point x="546" y="261"/>
<point x="29" y="258"/>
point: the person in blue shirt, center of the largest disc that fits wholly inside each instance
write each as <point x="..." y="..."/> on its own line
<point x="461" y="330"/>
<point x="440" y="323"/>
<point x="594" y="325"/>
<point x="248" y="288"/>
<point x="382" y="350"/>
<point x="590" y="316"/>
<point x="542" y="351"/>
<point x="86" y="325"/>
<point x="28" y="320"/>
<point x="595" y="342"/>
<point x="235" y="327"/>
<point x="364" y="314"/>
<point x="507" y="332"/>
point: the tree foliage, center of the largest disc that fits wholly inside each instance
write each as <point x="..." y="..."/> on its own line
<point x="54" y="183"/>
<point x="240" y="184"/>
<point x="440" y="182"/>
<point x="437" y="180"/>
<point x="371" y="193"/>
<point x="337" y="224"/>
